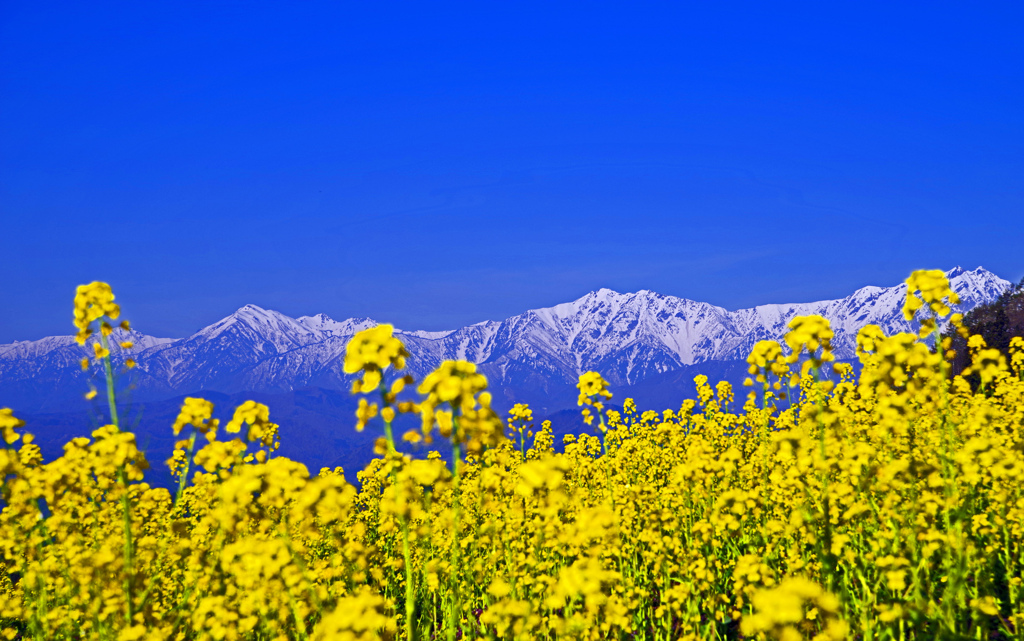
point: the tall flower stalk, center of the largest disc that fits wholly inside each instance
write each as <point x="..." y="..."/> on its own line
<point x="895" y="513"/>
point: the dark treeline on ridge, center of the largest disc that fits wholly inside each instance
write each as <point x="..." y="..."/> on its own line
<point x="997" y="322"/>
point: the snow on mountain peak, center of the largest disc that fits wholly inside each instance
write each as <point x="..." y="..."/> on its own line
<point x="625" y="336"/>
<point x="429" y="335"/>
<point x="324" y="324"/>
<point x="254" y="318"/>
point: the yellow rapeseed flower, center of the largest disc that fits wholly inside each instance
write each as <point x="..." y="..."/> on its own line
<point x="780" y="612"/>
<point x="257" y="417"/>
<point x="811" y="333"/>
<point x="93" y="302"/>
<point x="929" y="287"/>
<point x="198" y="413"/>
<point x="767" y="357"/>
<point x="8" y="423"/>
<point x="371" y="351"/>
<point x="675" y="524"/>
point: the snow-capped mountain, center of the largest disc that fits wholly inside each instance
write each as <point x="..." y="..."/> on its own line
<point x="626" y="337"/>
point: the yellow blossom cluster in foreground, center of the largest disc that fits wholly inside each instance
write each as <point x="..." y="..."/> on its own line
<point x="886" y="507"/>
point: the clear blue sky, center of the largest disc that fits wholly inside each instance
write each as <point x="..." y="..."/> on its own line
<point x="434" y="165"/>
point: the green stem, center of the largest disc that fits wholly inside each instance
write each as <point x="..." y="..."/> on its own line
<point x="456" y="606"/>
<point x="764" y="451"/>
<point x="944" y="398"/>
<point x="110" y="380"/>
<point x="605" y="461"/>
<point x="388" y="434"/>
<point x="128" y="552"/>
<point x="829" y="559"/>
<point x="410" y="588"/>
<point x="954" y="581"/>
<point x="129" y="560"/>
<point x="183" y="479"/>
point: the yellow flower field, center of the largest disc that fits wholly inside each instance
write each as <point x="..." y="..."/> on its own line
<point x="886" y="506"/>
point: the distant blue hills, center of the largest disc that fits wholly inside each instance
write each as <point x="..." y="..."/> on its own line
<point x="647" y="345"/>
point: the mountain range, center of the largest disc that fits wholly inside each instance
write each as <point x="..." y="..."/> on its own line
<point x="626" y="337"/>
<point x="645" y="344"/>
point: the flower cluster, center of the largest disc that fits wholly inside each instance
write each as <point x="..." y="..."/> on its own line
<point x="766" y="358"/>
<point x="469" y="418"/>
<point x="257" y="417"/>
<point x="520" y="419"/>
<point x="198" y="413"/>
<point x="8" y="423"/>
<point x="886" y="506"/>
<point x="930" y="287"/>
<point x="92" y="303"/>
<point x="371" y="352"/>
<point x="793" y="608"/>
<point x="811" y="333"/>
<point x="593" y="388"/>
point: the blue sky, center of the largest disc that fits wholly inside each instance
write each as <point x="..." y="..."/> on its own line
<point x="434" y="165"/>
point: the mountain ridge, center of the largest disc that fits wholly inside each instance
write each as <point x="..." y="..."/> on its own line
<point x="625" y="336"/>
